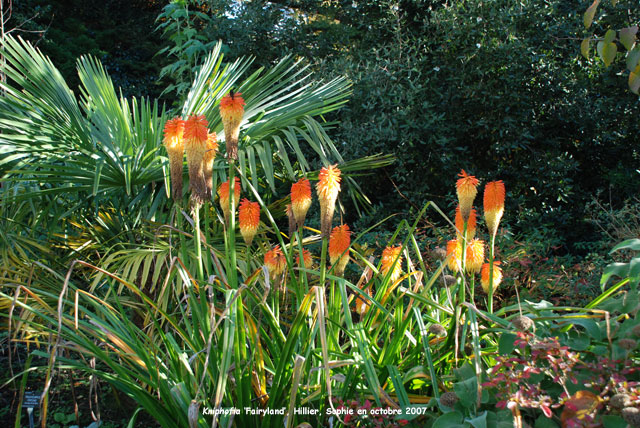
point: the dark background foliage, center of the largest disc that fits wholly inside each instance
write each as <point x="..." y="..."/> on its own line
<point x="495" y="87"/>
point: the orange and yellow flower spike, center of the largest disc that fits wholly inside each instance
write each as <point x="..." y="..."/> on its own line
<point x="195" y="144"/>
<point x="471" y="224"/>
<point x="223" y="194"/>
<point x="174" y="143"/>
<point x="454" y="255"/>
<point x="249" y="215"/>
<point x="389" y="256"/>
<point x="208" y="158"/>
<point x="339" y="243"/>
<point x="300" y="200"/>
<point x="467" y="189"/>
<point x="474" y="256"/>
<point x="494" y="195"/>
<point x="328" y="188"/>
<point x="307" y="258"/>
<point x="275" y="261"/>
<point x="497" y="276"/>
<point x="231" y="112"/>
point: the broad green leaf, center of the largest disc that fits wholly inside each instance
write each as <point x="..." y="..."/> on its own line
<point x="545" y="422"/>
<point x="506" y="344"/>
<point x="634" y="81"/>
<point x="609" y="36"/>
<point x="590" y="13"/>
<point x="501" y="419"/>
<point x="628" y="36"/>
<point x="613" y="421"/>
<point x="633" y="59"/>
<point x="478" y="421"/>
<point x="450" y="420"/>
<point x="608" y="53"/>
<point x="629" y="244"/>
<point x="467" y="391"/>
<point x="584" y="47"/>
<point x="614" y="269"/>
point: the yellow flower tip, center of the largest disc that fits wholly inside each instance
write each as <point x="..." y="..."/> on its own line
<point x="471" y="224"/>
<point x="494" y="195"/>
<point x="327" y="188"/>
<point x="173" y="134"/>
<point x="195" y="130"/>
<point x="497" y="276"/>
<point x="467" y="189"/>
<point x="389" y="256"/>
<point x="454" y="255"/>
<point x="249" y="219"/>
<point x="307" y="258"/>
<point x="339" y="243"/>
<point x="474" y="256"/>
<point x="300" y="199"/>
<point x="275" y="261"/>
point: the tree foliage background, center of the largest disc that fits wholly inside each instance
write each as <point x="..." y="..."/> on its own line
<point x="495" y="87"/>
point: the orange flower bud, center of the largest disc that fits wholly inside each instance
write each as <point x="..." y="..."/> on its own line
<point x="174" y="143"/>
<point x="275" y="261"/>
<point x="328" y="188"/>
<point x="231" y="112"/>
<point x="339" y="243"/>
<point x="249" y="219"/>
<point x="494" y="194"/>
<point x="223" y="194"/>
<point x="466" y="188"/>
<point x="454" y="255"/>
<point x="474" y="256"/>
<point x="471" y="224"/>
<point x="208" y="158"/>
<point x="389" y="257"/>
<point x="300" y="200"/>
<point x="195" y="144"/>
<point x="497" y="276"/>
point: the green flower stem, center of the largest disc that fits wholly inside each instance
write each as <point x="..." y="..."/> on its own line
<point x="461" y="295"/>
<point x="490" y="297"/>
<point x="196" y="221"/>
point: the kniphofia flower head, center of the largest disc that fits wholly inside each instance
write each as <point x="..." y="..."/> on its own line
<point x="339" y="243"/>
<point x="471" y="224"/>
<point x="467" y="189"/>
<point x="208" y="158"/>
<point x="362" y="305"/>
<point x="474" y="255"/>
<point x="231" y="112"/>
<point x="307" y="258"/>
<point x="454" y="255"/>
<point x="494" y="194"/>
<point x="174" y="143"/>
<point x="249" y="219"/>
<point x="497" y="276"/>
<point x="328" y="188"/>
<point x="275" y="261"/>
<point x="223" y="193"/>
<point x="195" y="144"/>
<point x="389" y="257"/>
<point x="300" y="200"/>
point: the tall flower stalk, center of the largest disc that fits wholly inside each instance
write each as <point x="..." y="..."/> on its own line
<point x="493" y="201"/>
<point x="466" y="189"/>
<point x="174" y="143"/>
<point x="231" y="112"/>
